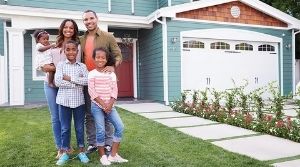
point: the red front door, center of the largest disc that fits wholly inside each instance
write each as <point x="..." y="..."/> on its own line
<point x="124" y="72"/>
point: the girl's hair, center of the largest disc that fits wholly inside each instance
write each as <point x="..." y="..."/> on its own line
<point x="60" y="37"/>
<point x="38" y="34"/>
<point x="71" y="42"/>
<point x="109" y="57"/>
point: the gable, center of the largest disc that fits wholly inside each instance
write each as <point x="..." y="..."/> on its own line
<point x="222" y="13"/>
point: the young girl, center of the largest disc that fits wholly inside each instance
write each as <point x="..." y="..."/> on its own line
<point x="70" y="77"/>
<point x="104" y="91"/>
<point x="43" y="53"/>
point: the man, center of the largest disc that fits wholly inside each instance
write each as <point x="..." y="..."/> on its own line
<point x="95" y="38"/>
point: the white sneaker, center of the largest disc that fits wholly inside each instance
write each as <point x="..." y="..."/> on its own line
<point x="117" y="159"/>
<point x="104" y="161"/>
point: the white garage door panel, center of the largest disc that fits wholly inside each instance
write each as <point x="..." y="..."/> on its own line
<point x="205" y="67"/>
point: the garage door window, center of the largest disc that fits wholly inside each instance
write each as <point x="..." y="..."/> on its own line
<point x="220" y="45"/>
<point x="266" y="48"/>
<point x="193" y="44"/>
<point x="244" y="46"/>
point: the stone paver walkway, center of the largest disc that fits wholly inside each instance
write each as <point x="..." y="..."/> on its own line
<point x="246" y="142"/>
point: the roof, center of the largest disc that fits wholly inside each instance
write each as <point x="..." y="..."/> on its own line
<point x="256" y="4"/>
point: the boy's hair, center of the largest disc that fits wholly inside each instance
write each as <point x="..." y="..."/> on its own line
<point x="109" y="57"/>
<point x="87" y="11"/>
<point x="38" y="33"/>
<point x="71" y="42"/>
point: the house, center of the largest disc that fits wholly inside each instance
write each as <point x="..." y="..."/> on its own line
<point x="168" y="45"/>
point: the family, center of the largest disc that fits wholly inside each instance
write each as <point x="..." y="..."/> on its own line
<point x="85" y="86"/>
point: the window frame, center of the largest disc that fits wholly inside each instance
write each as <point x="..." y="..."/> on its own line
<point x="35" y="76"/>
<point x="245" y="46"/>
<point x="219" y="45"/>
<point x="266" y="48"/>
<point x="190" y="43"/>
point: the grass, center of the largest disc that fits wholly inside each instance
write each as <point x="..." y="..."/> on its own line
<point x="26" y="140"/>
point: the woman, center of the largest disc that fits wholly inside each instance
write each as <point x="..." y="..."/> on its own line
<point x="68" y="30"/>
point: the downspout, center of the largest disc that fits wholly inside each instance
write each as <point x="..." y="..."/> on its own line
<point x="169" y="3"/>
<point x="165" y="58"/>
<point x="294" y="58"/>
<point x="132" y="7"/>
<point x="109" y="6"/>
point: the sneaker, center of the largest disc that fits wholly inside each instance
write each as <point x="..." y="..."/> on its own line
<point x="104" y="161"/>
<point x="83" y="158"/>
<point x="91" y="149"/>
<point x="63" y="159"/>
<point x="107" y="149"/>
<point x="117" y="159"/>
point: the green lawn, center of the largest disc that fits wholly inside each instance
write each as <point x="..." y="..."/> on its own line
<point x="26" y="140"/>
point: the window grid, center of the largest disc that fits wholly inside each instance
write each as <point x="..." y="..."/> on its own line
<point x="244" y="46"/>
<point x="266" y="47"/>
<point x="193" y="44"/>
<point x="220" y="45"/>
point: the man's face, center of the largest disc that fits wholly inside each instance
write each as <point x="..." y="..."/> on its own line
<point x="90" y="21"/>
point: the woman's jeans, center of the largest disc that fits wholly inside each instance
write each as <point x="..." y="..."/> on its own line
<point x="113" y="117"/>
<point x="50" y="94"/>
<point x="65" y="114"/>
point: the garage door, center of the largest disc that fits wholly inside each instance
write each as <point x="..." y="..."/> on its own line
<point x="221" y="64"/>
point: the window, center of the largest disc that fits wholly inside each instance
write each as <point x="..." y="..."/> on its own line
<point x="266" y="47"/>
<point x="38" y="75"/>
<point x="220" y="45"/>
<point x="193" y="44"/>
<point x="243" y="46"/>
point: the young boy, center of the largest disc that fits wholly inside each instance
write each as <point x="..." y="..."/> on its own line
<point x="70" y="77"/>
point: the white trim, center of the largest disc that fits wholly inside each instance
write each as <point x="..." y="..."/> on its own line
<point x="39" y="17"/>
<point x="134" y="64"/>
<point x="169" y="3"/>
<point x="230" y="34"/>
<point x="165" y="57"/>
<point x="235" y="34"/>
<point x="165" y="60"/>
<point x="294" y="60"/>
<point x="229" y="23"/>
<point x="16" y="66"/>
<point x="293" y="63"/>
<point x="281" y="66"/>
<point x="109" y="6"/>
<point x="4" y="71"/>
<point x="2" y="78"/>
<point x="132" y="7"/>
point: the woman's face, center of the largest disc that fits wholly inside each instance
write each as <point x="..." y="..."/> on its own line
<point x="68" y="30"/>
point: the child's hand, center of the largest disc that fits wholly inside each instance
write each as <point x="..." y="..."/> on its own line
<point x="66" y="78"/>
<point x="109" y="69"/>
<point x="53" y="45"/>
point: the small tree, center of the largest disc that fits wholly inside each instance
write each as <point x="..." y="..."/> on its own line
<point x="258" y="102"/>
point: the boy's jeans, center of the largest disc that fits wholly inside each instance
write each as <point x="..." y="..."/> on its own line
<point x="65" y="114"/>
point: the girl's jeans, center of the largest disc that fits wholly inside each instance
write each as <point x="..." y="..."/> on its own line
<point x="113" y="117"/>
